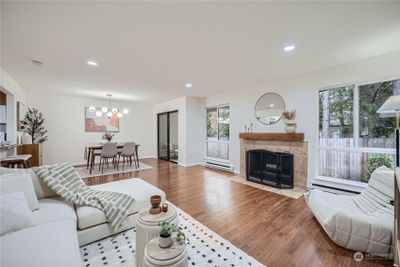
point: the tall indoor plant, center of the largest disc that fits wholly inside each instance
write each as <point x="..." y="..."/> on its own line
<point x="34" y="125"/>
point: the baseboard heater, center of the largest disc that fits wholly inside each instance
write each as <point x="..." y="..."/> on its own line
<point x="219" y="166"/>
<point x="335" y="190"/>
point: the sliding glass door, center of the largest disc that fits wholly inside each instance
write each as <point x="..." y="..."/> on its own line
<point x="163" y="136"/>
<point x="168" y="136"/>
<point x="173" y="137"/>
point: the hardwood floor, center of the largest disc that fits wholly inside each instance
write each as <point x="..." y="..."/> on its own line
<point x="274" y="229"/>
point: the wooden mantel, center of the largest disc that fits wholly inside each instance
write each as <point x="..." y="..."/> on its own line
<point x="273" y="136"/>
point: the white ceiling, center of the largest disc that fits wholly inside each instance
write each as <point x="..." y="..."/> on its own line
<point x="147" y="50"/>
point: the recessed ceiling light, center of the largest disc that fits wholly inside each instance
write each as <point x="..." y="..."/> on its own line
<point x="188" y="85"/>
<point x="289" y="48"/>
<point x="92" y="63"/>
<point x="36" y="62"/>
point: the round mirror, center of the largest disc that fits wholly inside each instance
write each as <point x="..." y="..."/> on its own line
<point x="269" y="108"/>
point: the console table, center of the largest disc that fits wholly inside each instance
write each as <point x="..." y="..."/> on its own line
<point x="36" y="150"/>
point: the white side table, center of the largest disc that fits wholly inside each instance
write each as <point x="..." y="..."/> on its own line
<point x="147" y="228"/>
<point x="174" y="256"/>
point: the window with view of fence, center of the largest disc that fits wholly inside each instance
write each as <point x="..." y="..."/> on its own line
<point x="218" y="133"/>
<point x="354" y="139"/>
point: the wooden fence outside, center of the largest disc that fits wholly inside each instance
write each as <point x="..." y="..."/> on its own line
<point x="218" y="150"/>
<point x="349" y="165"/>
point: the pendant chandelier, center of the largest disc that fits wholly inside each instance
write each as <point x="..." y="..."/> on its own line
<point x="109" y="111"/>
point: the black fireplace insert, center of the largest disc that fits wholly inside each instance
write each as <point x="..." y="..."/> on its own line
<point x="269" y="168"/>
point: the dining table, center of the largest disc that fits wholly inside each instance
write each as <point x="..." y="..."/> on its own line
<point x="90" y="150"/>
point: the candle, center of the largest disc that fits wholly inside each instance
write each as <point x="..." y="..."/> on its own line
<point x="165" y="207"/>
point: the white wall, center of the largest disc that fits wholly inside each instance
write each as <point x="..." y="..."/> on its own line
<point x="64" y="120"/>
<point x="191" y="125"/>
<point x="195" y="130"/>
<point x="300" y="93"/>
<point x="14" y="93"/>
<point x="172" y="105"/>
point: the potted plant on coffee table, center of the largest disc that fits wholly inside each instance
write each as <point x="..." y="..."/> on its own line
<point x="166" y="231"/>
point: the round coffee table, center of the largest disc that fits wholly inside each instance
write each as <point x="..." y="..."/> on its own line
<point x="147" y="228"/>
<point x="175" y="255"/>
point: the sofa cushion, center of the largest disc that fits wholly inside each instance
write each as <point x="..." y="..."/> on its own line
<point x="46" y="245"/>
<point x="103" y="230"/>
<point x="137" y="188"/>
<point x="14" y="213"/>
<point x="41" y="189"/>
<point x="53" y="210"/>
<point x="20" y="182"/>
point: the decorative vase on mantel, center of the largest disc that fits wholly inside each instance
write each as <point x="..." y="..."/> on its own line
<point x="289" y="118"/>
<point x="290" y="126"/>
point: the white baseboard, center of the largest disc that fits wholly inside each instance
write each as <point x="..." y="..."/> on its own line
<point x="188" y="165"/>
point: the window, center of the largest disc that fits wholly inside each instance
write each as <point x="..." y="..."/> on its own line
<point x="218" y="133"/>
<point x="223" y="123"/>
<point x="376" y="131"/>
<point x="212" y="124"/>
<point x="352" y="136"/>
<point x="336" y="113"/>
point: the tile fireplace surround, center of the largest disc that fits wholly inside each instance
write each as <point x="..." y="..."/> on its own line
<point x="278" y="142"/>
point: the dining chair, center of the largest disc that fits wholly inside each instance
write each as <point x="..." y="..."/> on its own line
<point x="127" y="153"/>
<point x="93" y="155"/>
<point x="109" y="151"/>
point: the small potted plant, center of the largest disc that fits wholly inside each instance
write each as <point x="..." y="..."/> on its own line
<point x="166" y="231"/>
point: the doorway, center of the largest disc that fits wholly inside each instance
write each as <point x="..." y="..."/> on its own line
<point x="167" y="124"/>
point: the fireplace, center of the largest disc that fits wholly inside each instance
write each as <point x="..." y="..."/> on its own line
<point x="269" y="168"/>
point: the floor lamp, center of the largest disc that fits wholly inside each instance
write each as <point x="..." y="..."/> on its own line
<point x="391" y="108"/>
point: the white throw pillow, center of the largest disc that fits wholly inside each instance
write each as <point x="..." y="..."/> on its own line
<point x="41" y="189"/>
<point x="14" y="213"/>
<point x="15" y="182"/>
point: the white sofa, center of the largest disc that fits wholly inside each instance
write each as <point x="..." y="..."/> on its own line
<point x="362" y="222"/>
<point x="60" y="227"/>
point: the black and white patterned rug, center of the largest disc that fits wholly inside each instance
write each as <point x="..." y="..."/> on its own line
<point x="205" y="248"/>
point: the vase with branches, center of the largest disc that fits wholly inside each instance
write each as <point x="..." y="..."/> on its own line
<point x="34" y="125"/>
<point x="108" y="136"/>
<point x="289" y="117"/>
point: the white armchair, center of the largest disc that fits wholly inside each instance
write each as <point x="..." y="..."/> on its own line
<point x="362" y="222"/>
